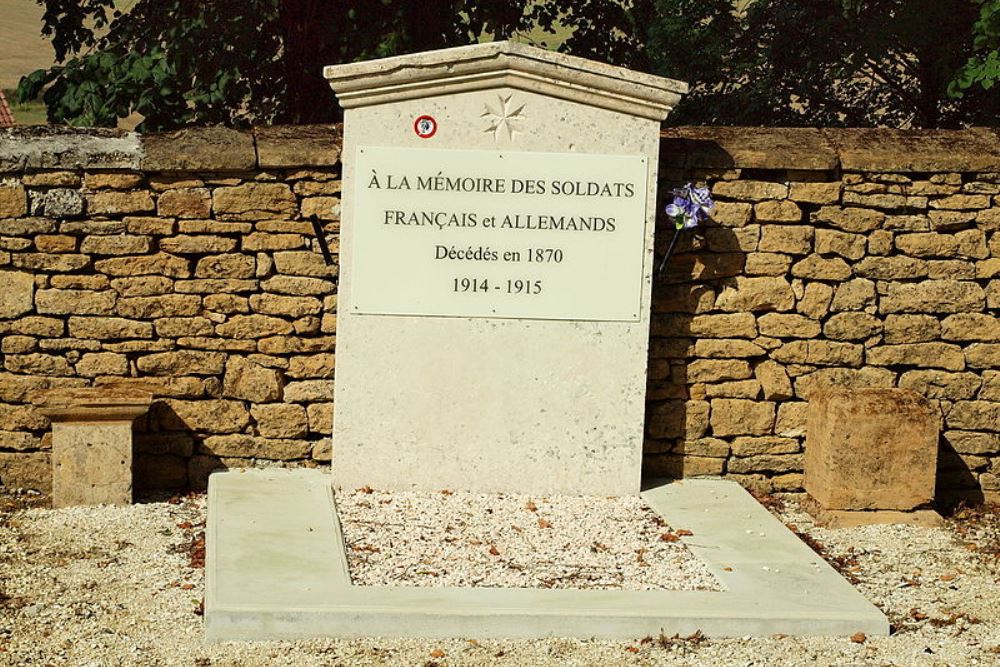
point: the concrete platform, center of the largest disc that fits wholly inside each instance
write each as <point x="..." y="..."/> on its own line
<point x="276" y="569"/>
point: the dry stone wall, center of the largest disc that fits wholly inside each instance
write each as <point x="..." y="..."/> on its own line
<point x="184" y="263"/>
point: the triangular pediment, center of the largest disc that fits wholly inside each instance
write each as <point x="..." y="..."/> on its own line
<point x="504" y="65"/>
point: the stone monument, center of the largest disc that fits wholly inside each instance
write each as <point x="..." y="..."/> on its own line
<point x="92" y="443"/>
<point x="496" y="263"/>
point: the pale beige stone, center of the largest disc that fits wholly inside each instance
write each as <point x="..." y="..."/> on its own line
<point x="55" y="243"/>
<point x="17" y="293"/>
<point x="926" y="355"/>
<point x="159" y="264"/>
<point x="938" y="384"/>
<point x="253" y="382"/>
<point x="845" y="378"/>
<point x="852" y="326"/>
<point x="815" y="302"/>
<point x="732" y="214"/>
<point x="751" y="190"/>
<point x="253" y="200"/>
<point x="819" y="353"/>
<point x="746" y="294"/>
<point x="891" y="268"/>
<point x="787" y="325"/>
<point x="280" y="420"/>
<point x="233" y="266"/>
<point x="593" y="438"/>
<point x="185" y="203"/>
<point x="182" y="362"/>
<point x="13" y="201"/>
<point x="820" y="268"/>
<point x="871" y="449"/>
<point x="93" y="364"/>
<point x="790" y="239"/>
<point x="117" y="203"/>
<point x="932" y="296"/>
<point x="855" y="220"/>
<point x="201" y="244"/>
<point x="773" y="380"/>
<point x="971" y="326"/>
<point x="92" y="444"/>
<point x="741" y="417"/>
<point x="857" y="294"/>
<point x="777" y="211"/>
<point x="253" y="326"/>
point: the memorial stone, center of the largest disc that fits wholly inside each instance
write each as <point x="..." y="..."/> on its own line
<point x="496" y="263"/>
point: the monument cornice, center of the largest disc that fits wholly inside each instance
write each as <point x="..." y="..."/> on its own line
<point x="504" y="65"/>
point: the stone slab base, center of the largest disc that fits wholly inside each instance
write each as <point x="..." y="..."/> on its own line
<point x="277" y="569"/>
<point x="849" y="518"/>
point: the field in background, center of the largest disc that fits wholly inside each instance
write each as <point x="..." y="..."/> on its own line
<point x="22" y="47"/>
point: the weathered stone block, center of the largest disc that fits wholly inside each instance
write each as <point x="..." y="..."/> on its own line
<point x="108" y="328"/>
<point x="820" y="268"/>
<point x="756" y="294"/>
<point x="199" y="149"/>
<point x="254" y="200"/>
<point x="787" y="325"/>
<point x="819" y="353"/>
<point x="280" y="420"/>
<point x="13" y="201"/>
<point x="854" y="220"/>
<point x="845" y="378"/>
<point x="112" y="202"/>
<point x="777" y="211"/>
<point x="741" y="417"/>
<point x="937" y="384"/>
<point x="163" y="305"/>
<point x="93" y="364"/>
<point x="298" y="146"/>
<point x="925" y="355"/>
<point x="185" y="203"/>
<point x="852" y="326"/>
<point x="856" y="294"/>
<point x="793" y="239"/>
<point x="871" y="449"/>
<point x="182" y="362"/>
<point x="833" y="242"/>
<point x="750" y="190"/>
<point x="197" y="245"/>
<point x="253" y="382"/>
<point x="160" y="264"/>
<point x="17" y="291"/>
<point x="933" y="296"/>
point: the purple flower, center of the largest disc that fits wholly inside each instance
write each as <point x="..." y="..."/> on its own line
<point x="690" y="206"/>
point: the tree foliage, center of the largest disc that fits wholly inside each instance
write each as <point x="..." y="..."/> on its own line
<point x="983" y="67"/>
<point x="823" y="62"/>
<point x="920" y="63"/>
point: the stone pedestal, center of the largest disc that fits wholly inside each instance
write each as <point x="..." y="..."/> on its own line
<point x="496" y="262"/>
<point x="871" y="451"/>
<point x="92" y="444"/>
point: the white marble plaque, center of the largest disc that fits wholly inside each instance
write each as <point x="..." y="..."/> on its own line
<point x="506" y="234"/>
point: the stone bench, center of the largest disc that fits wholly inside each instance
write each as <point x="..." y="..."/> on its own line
<point x="92" y="443"/>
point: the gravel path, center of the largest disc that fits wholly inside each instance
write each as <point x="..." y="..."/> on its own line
<point x="122" y="586"/>
<point x="514" y="541"/>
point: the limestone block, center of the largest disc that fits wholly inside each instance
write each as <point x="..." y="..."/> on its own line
<point x="17" y="290"/>
<point x="871" y="449"/>
<point x="92" y="444"/>
<point x="756" y="294"/>
<point x="253" y="382"/>
<point x="751" y="190"/>
<point x="226" y="266"/>
<point x="298" y="146"/>
<point x="13" y="202"/>
<point x="854" y="220"/>
<point x="185" y="203"/>
<point x="197" y="149"/>
<point x="252" y="200"/>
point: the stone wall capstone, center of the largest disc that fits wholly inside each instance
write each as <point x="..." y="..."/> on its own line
<point x="185" y="264"/>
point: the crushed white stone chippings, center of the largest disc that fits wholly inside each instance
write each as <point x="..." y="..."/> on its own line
<point x="459" y="539"/>
<point x="112" y="586"/>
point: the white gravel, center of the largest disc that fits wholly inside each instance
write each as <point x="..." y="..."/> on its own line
<point x="116" y="586"/>
<point x="514" y="541"/>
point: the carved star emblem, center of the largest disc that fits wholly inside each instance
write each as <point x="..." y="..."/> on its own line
<point x="504" y="119"/>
